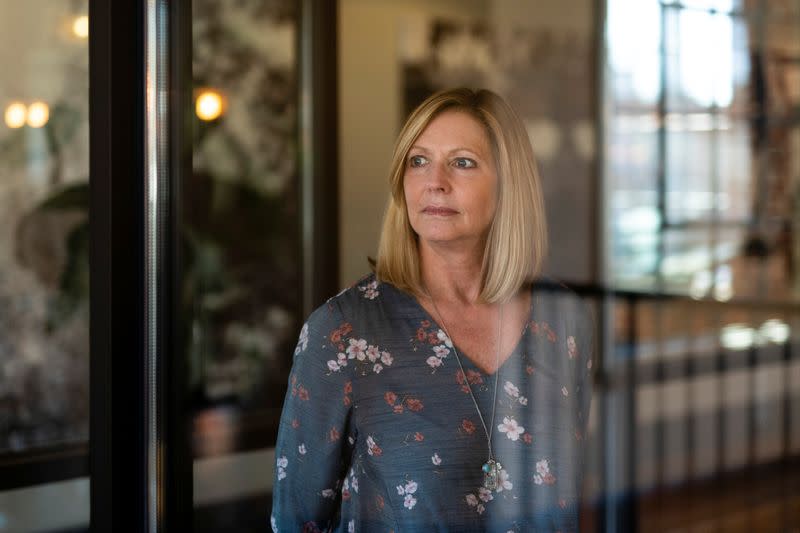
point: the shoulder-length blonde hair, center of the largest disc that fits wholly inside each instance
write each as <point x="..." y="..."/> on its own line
<point x="517" y="240"/>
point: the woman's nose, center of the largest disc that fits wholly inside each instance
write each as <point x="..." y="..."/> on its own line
<point x="438" y="178"/>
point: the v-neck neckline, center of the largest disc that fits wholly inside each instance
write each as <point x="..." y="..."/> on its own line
<point x="465" y="358"/>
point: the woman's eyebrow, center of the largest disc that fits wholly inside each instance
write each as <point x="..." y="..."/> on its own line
<point x="419" y="148"/>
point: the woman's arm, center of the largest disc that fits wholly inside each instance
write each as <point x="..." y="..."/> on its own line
<point x="315" y="438"/>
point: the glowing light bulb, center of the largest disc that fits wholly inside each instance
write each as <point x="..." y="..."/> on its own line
<point x="209" y="105"/>
<point x="38" y="114"/>
<point x="80" y="26"/>
<point x="15" y="115"/>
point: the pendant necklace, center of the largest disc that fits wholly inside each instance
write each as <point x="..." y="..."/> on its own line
<point x="491" y="468"/>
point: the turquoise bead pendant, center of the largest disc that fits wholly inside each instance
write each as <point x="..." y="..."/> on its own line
<point x="491" y="474"/>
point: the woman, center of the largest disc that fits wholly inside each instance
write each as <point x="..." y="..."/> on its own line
<point x="444" y="392"/>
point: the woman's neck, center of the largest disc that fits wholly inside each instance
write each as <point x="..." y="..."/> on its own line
<point x="451" y="276"/>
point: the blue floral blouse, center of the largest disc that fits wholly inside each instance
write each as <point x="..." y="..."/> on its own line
<point x="379" y="433"/>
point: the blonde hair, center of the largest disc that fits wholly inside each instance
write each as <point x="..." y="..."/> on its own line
<point x="517" y="240"/>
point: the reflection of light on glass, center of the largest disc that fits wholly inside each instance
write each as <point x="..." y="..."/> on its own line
<point x="38" y="114"/>
<point x="80" y="27"/>
<point x="774" y="330"/>
<point x="634" y="34"/>
<point x="703" y="51"/>
<point x="706" y="54"/>
<point x="701" y="282"/>
<point x="737" y="337"/>
<point x="15" y="115"/>
<point x="209" y="105"/>
<point x="723" y="283"/>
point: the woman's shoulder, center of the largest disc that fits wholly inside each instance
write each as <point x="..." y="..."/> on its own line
<point x="358" y="299"/>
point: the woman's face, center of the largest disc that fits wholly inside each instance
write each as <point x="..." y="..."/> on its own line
<point x="450" y="181"/>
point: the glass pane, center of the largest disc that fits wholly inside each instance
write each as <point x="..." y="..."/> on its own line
<point x="240" y="233"/>
<point x="44" y="245"/>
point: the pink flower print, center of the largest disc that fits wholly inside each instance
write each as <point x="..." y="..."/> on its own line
<point x="341" y="358"/>
<point x="572" y="347"/>
<point x="377" y="367"/>
<point x="295" y="423"/>
<point x="551" y="335"/>
<point x="468" y="426"/>
<point x="480" y="508"/>
<point x="511" y="428"/>
<point x="333" y="366"/>
<point x="373" y="353"/>
<point x="373" y="448"/>
<point x="527" y="438"/>
<point x="390" y="397"/>
<point x="503" y="483"/>
<point x="434" y="361"/>
<point x="522" y="400"/>
<point x="436" y="460"/>
<point x="398" y="408"/>
<point x="348" y="387"/>
<point x="302" y="343"/>
<point x="333" y="435"/>
<point x="328" y="493"/>
<point x="357" y="349"/>
<point x="529" y="370"/>
<point x="441" y="336"/>
<point x="543" y="476"/>
<point x="419" y="437"/>
<point x="472" y="500"/>
<point x="485" y="494"/>
<point x="282" y="463"/>
<point x="370" y="290"/>
<point x="421" y="335"/>
<point x="301" y="449"/>
<point x="534" y="327"/>
<point x="432" y="338"/>
<point x="409" y="501"/>
<point x="564" y="391"/>
<point x="441" y="351"/>
<point x="511" y="389"/>
<point x="302" y="393"/>
<point x="474" y="378"/>
<point x="337" y="334"/>
<point x="414" y="404"/>
<point x="386" y="358"/>
<point x="425" y="323"/>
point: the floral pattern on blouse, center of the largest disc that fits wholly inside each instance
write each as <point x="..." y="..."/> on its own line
<point x="379" y="432"/>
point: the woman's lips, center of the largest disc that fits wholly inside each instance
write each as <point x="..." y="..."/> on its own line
<point x="439" y="211"/>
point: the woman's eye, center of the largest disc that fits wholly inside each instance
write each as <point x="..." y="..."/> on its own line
<point x="416" y="161"/>
<point x="464" y="162"/>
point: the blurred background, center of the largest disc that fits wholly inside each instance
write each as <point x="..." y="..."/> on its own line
<point x="668" y="139"/>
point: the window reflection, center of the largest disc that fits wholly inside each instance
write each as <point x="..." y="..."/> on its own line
<point x="697" y="138"/>
<point x="240" y="222"/>
<point x="44" y="234"/>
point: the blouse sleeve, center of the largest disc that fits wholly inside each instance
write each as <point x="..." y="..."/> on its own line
<point x="314" y="445"/>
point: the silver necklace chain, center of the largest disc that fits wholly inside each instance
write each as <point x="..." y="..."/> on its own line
<point x="487" y="432"/>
